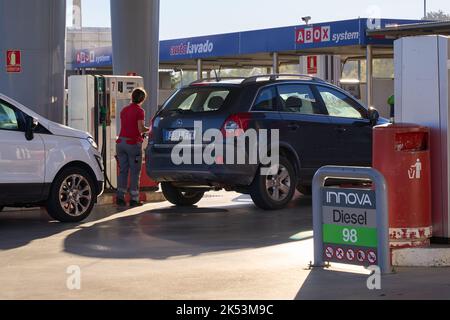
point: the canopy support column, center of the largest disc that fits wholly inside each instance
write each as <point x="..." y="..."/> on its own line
<point x="276" y="63"/>
<point x="199" y="69"/>
<point x="369" y="67"/>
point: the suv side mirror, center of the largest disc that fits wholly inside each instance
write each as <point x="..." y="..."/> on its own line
<point x="30" y="125"/>
<point x="374" y="116"/>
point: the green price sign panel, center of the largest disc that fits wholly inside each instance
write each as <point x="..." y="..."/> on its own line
<point x="350" y="232"/>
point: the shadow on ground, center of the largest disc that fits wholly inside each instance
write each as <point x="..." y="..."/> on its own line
<point x="19" y="228"/>
<point x="405" y="284"/>
<point x="172" y="232"/>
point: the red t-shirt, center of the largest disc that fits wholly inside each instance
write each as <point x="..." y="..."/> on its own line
<point x="129" y="118"/>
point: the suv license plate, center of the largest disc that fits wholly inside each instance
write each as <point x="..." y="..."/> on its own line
<point x="180" y="135"/>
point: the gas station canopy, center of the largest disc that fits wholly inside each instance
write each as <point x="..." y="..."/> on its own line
<point x="414" y="29"/>
<point x="257" y="48"/>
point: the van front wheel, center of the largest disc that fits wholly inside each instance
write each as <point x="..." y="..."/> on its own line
<point x="72" y="196"/>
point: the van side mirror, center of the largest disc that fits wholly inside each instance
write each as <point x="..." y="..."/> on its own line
<point x="30" y="125"/>
<point x="374" y="116"/>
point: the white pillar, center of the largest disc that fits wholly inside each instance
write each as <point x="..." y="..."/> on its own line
<point x="77" y="17"/>
<point x="38" y="30"/>
<point x="301" y="65"/>
<point x="135" y="34"/>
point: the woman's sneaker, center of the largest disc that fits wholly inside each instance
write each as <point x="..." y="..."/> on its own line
<point x="121" y="203"/>
<point x="135" y="204"/>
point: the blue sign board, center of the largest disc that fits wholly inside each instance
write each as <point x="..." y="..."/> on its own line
<point x="306" y="37"/>
<point x="94" y="58"/>
<point x="199" y="47"/>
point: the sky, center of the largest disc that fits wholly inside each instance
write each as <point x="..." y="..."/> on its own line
<point x="186" y="18"/>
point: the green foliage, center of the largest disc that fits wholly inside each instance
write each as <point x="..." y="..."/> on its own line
<point x="437" y="16"/>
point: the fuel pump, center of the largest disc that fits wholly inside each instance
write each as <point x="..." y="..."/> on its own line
<point x="101" y="116"/>
<point x="95" y="104"/>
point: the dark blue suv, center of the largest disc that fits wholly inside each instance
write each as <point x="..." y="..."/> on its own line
<point x="318" y="123"/>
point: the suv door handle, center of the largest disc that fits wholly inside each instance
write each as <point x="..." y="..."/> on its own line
<point x="293" y="127"/>
<point x="341" y="129"/>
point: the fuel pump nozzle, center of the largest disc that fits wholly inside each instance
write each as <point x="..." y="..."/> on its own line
<point x="391" y="103"/>
<point x="103" y="115"/>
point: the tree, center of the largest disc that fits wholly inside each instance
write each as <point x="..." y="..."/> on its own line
<point x="437" y="16"/>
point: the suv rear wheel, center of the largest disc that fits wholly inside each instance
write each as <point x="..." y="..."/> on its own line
<point x="179" y="197"/>
<point x="274" y="192"/>
<point x="72" y="196"/>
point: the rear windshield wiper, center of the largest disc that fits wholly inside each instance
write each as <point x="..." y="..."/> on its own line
<point x="183" y="111"/>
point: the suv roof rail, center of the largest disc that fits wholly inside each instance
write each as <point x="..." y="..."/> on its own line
<point x="274" y="77"/>
<point x="205" y="80"/>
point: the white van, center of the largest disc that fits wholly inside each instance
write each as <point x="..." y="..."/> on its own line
<point x="45" y="164"/>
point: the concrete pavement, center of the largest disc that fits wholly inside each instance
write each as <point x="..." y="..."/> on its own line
<point x="223" y="249"/>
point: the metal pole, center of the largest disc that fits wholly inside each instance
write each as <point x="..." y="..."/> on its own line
<point x="276" y="63"/>
<point x="300" y="65"/>
<point x="199" y="69"/>
<point x="384" y="260"/>
<point x="318" y="183"/>
<point x="369" y="67"/>
<point x="424" y="9"/>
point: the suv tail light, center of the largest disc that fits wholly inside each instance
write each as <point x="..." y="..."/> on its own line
<point x="236" y="125"/>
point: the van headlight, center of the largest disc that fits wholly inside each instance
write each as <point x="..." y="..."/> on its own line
<point x="92" y="142"/>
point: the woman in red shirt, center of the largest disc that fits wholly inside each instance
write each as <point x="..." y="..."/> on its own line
<point x="129" y="148"/>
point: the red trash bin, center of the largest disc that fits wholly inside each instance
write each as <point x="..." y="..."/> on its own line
<point x="401" y="152"/>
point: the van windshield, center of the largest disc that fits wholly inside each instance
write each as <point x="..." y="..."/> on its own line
<point x="194" y="100"/>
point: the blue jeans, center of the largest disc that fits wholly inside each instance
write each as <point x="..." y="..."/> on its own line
<point x="130" y="162"/>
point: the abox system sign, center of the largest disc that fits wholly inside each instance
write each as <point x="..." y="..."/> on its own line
<point x="313" y="35"/>
<point x="328" y="35"/>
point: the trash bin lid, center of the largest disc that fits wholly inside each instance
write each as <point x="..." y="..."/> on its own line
<point x="402" y="127"/>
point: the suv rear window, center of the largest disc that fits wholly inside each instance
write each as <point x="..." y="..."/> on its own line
<point x="198" y="100"/>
